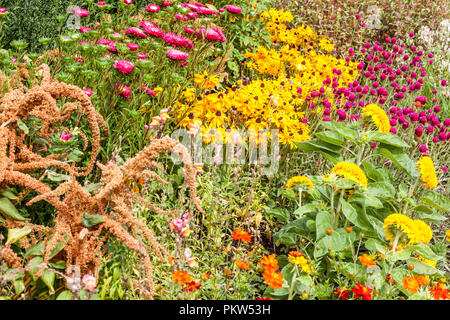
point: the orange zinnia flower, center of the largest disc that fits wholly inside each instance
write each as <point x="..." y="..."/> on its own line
<point x="241" y="235"/>
<point x="367" y="260"/>
<point x="412" y="284"/>
<point x="182" y="277"/>
<point x="242" y="265"/>
<point x="269" y="262"/>
<point x="192" y="286"/>
<point x="206" y="276"/>
<point x="439" y="292"/>
<point x="273" y="279"/>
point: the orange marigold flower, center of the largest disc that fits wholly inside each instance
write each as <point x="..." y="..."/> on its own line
<point x="439" y="292"/>
<point x="206" y="276"/>
<point x="192" y="286"/>
<point x="240" y="235"/>
<point x="273" y="279"/>
<point x="362" y="291"/>
<point x="182" y="277"/>
<point x="269" y="262"/>
<point x="242" y="265"/>
<point x="367" y="260"/>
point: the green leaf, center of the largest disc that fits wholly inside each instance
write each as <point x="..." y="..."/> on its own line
<point x="400" y="159"/>
<point x="90" y="220"/>
<point x="318" y="145"/>
<point x="56" y="249"/>
<point x="310" y="207"/>
<point x="424" y="251"/>
<point x="22" y="126"/>
<point x="65" y="295"/>
<point x="390" y="139"/>
<point x="340" y="128"/>
<point x="8" y="194"/>
<point x="282" y="214"/>
<point x="359" y="219"/>
<point x="437" y="200"/>
<point x="15" y="235"/>
<point x="423" y="268"/>
<point x="10" y="210"/>
<point x="331" y="137"/>
<point x="36" y="250"/>
<point x="57" y="177"/>
<point x="19" y="286"/>
<point x="324" y="221"/>
<point x="371" y="171"/>
<point x="48" y="277"/>
<point x="290" y="194"/>
<point x="335" y="241"/>
<point x="383" y="190"/>
<point x="33" y="262"/>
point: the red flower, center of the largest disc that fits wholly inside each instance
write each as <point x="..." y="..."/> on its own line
<point x="177" y="54"/>
<point x="342" y="293"/>
<point x="362" y="291"/>
<point x="124" y="66"/>
<point x="80" y="12"/>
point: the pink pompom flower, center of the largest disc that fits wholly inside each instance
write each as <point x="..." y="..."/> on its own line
<point x="88" y="91"/>
<point x="136" y="31"/>
<point x="132" y="46"/>
<point x="153" y="8"/>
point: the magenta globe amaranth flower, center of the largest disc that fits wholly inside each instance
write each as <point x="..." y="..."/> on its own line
<point x="65" y="136"/>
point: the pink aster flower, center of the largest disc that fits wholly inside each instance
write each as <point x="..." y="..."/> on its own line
<point x="177" y="40"/>
<point x="65" y="136"/>
<point x="2" y="10"/>
<point x="191" y="15"/>
<point x="84" y="29"/>
<point x="101" y="3"/>
<point x="206" y="11"/>
<point x="80" y="12"/>
<point x="189" y="30"/>
<point x="136" y="31"/>
<point x="213" y="34"/>
<point x="152" y="8"/>
<point x="128" y="1"/>
<point x="87" y="91"/>
<point x="123" y="90"/>
<point x="124" y="66"/>
<point x="132" y="46"/>
<point x="79" y="59"/>
<point x="151" y="29"/>
<point x="177" y="54"/>
<point x="141" y="56"/>
<point x="233" y="9"/>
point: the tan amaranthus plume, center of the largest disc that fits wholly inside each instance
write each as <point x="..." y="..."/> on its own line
<point x="83" y="246"/>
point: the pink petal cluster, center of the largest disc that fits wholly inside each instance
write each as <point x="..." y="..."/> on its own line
<point x="152" y="8"/>
<point x="80" y="12"/>
<point x="177" y="40"/>
<point x="177" y="54"/>
<point x="124" y="66"/>
<point x="123" y="90"/>
<point x="151" y="29"/>
<point x="213" y="34"/>
<point x="65" y="136"/>
<point x="233" y="9"/>
<point x="88" y="91"/>
<point x="84" y="29"/>
<point x="136" y="31"/>
<point x="132" y="46"/>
